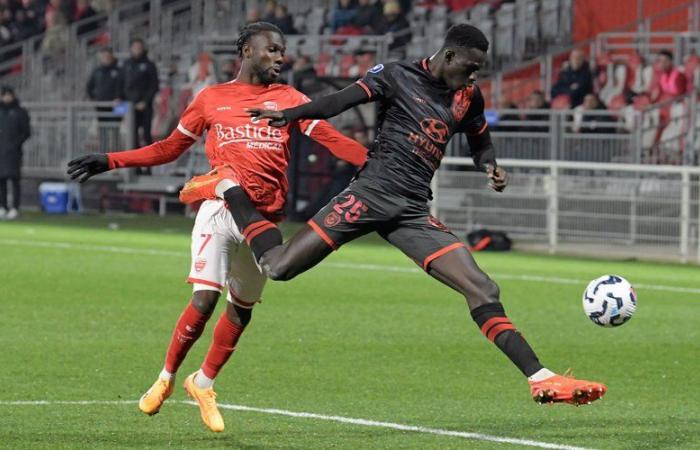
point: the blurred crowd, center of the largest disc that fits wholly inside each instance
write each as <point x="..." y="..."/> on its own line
<point x="22" y="19"/>
<point x="592" y="91"/>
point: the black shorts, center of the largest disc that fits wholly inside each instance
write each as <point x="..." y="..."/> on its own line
<point x="404" y="222"/>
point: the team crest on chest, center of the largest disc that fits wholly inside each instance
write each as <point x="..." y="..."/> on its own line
<point x="460" y="102"/>
<point x="270" y="106"/>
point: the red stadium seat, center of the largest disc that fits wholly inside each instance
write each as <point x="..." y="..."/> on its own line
<point x="641" y="101"/>
<point x="561" y="102"/>
<point x="617" y="102"/>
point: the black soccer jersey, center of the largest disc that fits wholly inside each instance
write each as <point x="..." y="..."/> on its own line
<point x="418" y="114"/>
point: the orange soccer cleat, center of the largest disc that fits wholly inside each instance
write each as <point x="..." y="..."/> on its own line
<point x="203" y="187"/>
<point x="566" y="389"/>
<point x="153" y="399"/>
<point x="206" y="399"/>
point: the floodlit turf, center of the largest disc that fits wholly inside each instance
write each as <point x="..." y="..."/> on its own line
<point x="82" y="317"/>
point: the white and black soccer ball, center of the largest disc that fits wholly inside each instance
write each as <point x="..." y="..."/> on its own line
<point x="609" y="301"/>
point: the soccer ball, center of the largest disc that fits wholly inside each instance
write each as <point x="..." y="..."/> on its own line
<point x="609" y="301"/>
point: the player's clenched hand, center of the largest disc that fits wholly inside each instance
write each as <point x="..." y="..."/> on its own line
<point x="498" y="178"/>
<point x="276" y="118"/>
<point x="82" y="168"/>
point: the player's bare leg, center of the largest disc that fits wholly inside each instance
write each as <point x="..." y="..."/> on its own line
<point x="200" y="384"/>
<point x="458" y="270"/>
<point x="188" y="329"/>
<point x="299" y="254"/>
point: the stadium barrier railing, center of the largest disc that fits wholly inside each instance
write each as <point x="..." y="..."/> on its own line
<point x="62" y="131"/>
<point x="594" y="208"/>
<point x="658" y="134"/>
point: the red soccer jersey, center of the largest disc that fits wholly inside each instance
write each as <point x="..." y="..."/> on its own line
<point x="257" y="152"/>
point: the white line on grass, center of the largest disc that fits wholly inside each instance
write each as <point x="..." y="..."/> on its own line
<point x="372" y="267"/>
<point x="305" y="415"/>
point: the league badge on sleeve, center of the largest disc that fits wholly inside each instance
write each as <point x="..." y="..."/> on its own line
<point x="376" y="69"/>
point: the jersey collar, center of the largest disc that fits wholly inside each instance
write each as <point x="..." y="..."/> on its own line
<point x="426" y="68"/>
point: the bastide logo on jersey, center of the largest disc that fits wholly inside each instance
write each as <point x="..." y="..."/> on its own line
<point x="256" y="136"/>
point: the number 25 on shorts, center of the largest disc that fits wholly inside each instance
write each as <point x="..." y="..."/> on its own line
<point x="352" y="208"/>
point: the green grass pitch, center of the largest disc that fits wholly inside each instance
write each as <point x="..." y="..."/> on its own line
<point x="86" y="312"/>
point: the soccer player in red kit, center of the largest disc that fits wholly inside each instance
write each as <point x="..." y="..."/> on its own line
<point x="255" y="157"/>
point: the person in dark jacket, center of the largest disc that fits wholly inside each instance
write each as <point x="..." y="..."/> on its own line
<point x="394" y="21"/>
<point x="14" y="131"/>
<point x="106" y="84"/>
<point x="140" y="87"/>
<point x="575" y="79"/>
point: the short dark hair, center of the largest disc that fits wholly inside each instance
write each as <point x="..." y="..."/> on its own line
<point x="135" y="40"/>
<point x="668" y="53"/>
<point x="468" y="36"/>
<point x="251" y="30"/>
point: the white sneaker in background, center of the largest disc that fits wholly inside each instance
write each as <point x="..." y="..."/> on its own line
<point x="12" y="214"/>
<point x="3" y="213"/>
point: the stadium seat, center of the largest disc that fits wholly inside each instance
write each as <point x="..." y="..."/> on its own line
<point x="561" y="102"/>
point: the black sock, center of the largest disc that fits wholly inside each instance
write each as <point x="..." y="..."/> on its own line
<point x="492" y="320"/>
<point x="260" y="234"/>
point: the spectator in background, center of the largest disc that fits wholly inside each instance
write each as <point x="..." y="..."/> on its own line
<point x="671" y="82"/>
<point x="34" y="10"/>
<point x="587" y="117"/>
<point x="24" y="26"/>
<point x="140" y="87"/>
<point x="58" y="12"/>
<point x="344" y="14"/>
<point x="536" y="100"/>
<point x="14" y="131"/>
<point x="201" y="73"/>
<point x="506" y="104"/>
<point x="6" y="35"/>
<point x="304" y="75"/>
<point x="106" y="84"/>
<point x="83" y="11"/>
<point x="228" y="70"/>
<point x="575" y="79"/>
<point x="252" y="16"/>
<point x="368" y="16"/>
<point x="269" y="11"/>
<point x="283" y="20"/>
<point x="393" y="21"/>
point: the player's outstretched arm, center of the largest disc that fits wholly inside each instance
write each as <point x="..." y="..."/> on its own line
<point x="322" y="108"/>
<point x="160" y="152"/>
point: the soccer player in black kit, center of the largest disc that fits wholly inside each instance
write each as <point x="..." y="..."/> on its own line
<point x="421" y="105"/>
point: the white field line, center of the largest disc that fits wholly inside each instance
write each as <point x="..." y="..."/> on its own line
<point x="305" y="415"/>
<point x="354" y="266"/>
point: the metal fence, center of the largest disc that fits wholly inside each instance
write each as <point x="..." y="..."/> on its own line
<point x="659" y="134"/>
<point x="63" y="131"/>
<point x="602" y="209"/>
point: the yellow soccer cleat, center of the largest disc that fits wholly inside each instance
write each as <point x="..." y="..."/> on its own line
<point x="206" y="399"/>
<point x="153" y="399"/>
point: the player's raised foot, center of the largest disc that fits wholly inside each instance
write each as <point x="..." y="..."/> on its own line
<point x="203" y="187"/>
<point x="566" y="389"/>
<point x="153" y="399"/>
<point x="206" y="399"/>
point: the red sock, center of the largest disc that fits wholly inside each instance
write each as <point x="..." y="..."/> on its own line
<point x="226" y="335"/>
<point x="189" y="328"/>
